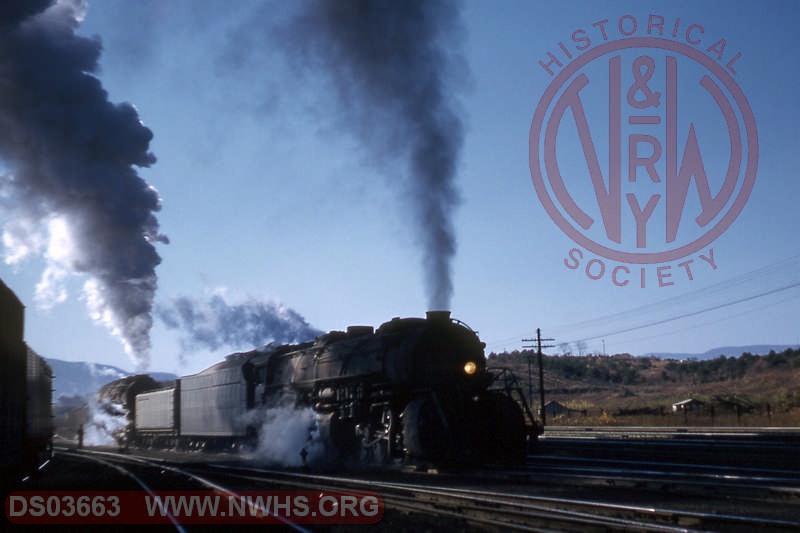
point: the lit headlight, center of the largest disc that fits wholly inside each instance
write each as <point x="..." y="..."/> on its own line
<point x="470" y="368"/>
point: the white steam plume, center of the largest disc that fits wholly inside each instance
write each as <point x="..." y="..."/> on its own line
<point x="284" y="431"/>
<point x="106" y="425"/>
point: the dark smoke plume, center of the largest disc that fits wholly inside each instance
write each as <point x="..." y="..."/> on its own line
<point x="395" y="70"/>
<point x="213" y="323"/>
<point x="70" y="188"/>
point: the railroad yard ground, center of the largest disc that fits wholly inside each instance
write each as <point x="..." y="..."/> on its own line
<point x="579" y="479"/>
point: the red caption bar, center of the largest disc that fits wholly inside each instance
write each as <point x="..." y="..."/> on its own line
<point x="193" y="507"/>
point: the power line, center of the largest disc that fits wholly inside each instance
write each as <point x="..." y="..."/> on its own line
<point x="706" y="324"/>
<point x="722" y="286"/>
<point x="693" y="313"/>
<point x="682" y="299"/>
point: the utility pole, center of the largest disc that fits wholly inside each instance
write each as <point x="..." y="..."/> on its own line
<point x="539" y="347"/>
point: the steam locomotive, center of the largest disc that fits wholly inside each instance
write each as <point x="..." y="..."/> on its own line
<point x="26" y="414"/>
<point x="414" y="389"/>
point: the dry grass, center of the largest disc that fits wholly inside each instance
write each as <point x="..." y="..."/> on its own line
<point x="701" y="419"/>
<point x="766" y="396"/>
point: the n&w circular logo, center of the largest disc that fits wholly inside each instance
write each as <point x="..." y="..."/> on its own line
<point x="643" y="148"/>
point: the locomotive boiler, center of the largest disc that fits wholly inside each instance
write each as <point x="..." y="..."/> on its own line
<point x="415" y="389"/>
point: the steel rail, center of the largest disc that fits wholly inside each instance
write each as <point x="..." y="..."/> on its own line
<point x="542" y="512"/>
<point x="655" y="480"/>
<point x="679" y="445"/>
<point x="526" y="504"/>
<point x="127" y="473"/>
<point x="759" y="474"/>
<point x="162" y="464"/>
<point x="476" y="508"/>
<point x="678" y="431"/>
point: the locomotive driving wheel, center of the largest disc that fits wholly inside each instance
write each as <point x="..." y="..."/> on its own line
<point x="425" y="433"/>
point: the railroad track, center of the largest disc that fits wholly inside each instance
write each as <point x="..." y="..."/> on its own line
<point x="507" y="511"/>
<point x="551" y="494"/>
<point x="170" y="477"/>
<point x="714" y="473"/>
<point x="677" y="431"/>
<point x="745" y="485"/>
<point x="772" y="450"/>
<point x="126" y="472"/>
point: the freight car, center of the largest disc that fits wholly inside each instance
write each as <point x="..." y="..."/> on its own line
<point x="414" y="389"/>
<point x="25" y="395"/>
<point x="38" y="444"/>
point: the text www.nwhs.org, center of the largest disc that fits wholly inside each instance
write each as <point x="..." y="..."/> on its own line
<point x="260" y="506"/>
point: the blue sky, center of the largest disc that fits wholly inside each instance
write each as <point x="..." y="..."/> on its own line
<point x="264" y="196"/>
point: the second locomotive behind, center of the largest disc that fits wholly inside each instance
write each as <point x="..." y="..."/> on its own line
<point x="413" y="389"/>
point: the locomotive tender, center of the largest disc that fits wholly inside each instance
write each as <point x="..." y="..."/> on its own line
<point x="414" y="389"/>
<point x="26" y="413"/>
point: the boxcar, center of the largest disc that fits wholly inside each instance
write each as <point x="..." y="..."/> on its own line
<point x="12" y="380"/>
<point x="26" y="412"/>
<point x="38" y="409"/>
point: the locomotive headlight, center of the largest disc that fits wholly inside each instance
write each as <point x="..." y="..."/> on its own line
<point x="470" y="368"/>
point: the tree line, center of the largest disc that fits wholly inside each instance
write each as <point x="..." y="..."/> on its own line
<point x="627" y="370"/>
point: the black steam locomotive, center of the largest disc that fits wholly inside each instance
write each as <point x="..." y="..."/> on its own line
<point x="26" y="415"/>
<point x="416" y="389"/>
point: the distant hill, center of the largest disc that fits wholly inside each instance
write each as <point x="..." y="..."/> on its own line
<point x="83" y="378"/>
<point x="762" y="380"/>
<point x="727" y="351"/>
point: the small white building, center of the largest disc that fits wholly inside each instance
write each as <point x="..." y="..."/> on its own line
<point x="689" y="404"/>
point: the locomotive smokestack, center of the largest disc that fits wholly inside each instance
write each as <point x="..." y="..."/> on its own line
<point x="395" y="68"/>
<point x="438" y="316"/>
